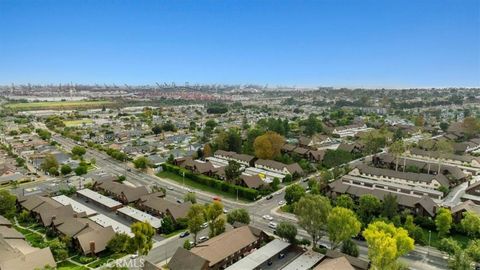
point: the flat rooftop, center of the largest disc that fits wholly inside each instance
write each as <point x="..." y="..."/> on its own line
<point x="77" y="207"/>
<point x="305" y="261"/>
<point x="261" y="255"/>
<point x="99" y="198"/>
<point x="141" y="216"/>
<point x="105" y="221"/>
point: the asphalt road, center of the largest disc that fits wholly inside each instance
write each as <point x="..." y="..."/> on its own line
<point x="420" y="258"/>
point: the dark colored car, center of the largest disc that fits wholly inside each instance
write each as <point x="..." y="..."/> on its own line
<point x="184" y="234"/>
<point x="269" y="197"/>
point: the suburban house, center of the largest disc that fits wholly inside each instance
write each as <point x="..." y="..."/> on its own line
<point x="156" y="205"/>
<point x="467" y="160"/>
<point x="279" y="167"/>
<point x="415" y="199"/>
<point x="406" y="178"/>
<point x="243" y="159"/>
<point x="466" y="206"/>
<point x="350" y="130"/>
<point x="220" y="251"/>
<point x="251" y="181"/>
<point x="123" y="193"/>
<point x="17" y="254"/>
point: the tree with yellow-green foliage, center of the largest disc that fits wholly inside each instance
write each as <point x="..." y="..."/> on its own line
<point x="268" y="145"/>
<point x="143" y="234"/>
<point x="342" y="224"/>
<point x="386" y="243"/>
<point x="443" y="221"/>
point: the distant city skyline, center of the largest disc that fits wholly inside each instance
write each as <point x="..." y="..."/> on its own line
<point x="345" y="43"/>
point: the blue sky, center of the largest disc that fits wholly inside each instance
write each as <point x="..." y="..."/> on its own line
<point x="368" y="43"/>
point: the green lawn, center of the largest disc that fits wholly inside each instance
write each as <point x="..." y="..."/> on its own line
<point x="435" y="241"/>
<point x="173" y="233"/>
<point x="104" y="259"/>
<point x="58" y="105"/>
<point x="74" y="123"/>
<point x="66" y="265"/>
<point x="195" y="185"/>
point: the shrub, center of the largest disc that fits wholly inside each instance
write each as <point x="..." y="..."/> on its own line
<point x="247" y="193"/>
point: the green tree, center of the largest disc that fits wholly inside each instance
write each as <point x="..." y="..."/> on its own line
<point x="81" y="170"/>
<point x="190" y="197"/>
<point x="444" y="126"/>
<point x="293" y="193"/>
<point x="119" y="243"/>
<point x="168" y="225"/>
<point x="59" y="249"/>
<point x="78" y="151"/>
<point x="50" y="161"/>
<point x="238" y="215"/>
<point x="448" y="245"/>
<point x="345" y="201"/>
<point x="368" y="208"/>
<point x="141" y="163"/>
<point x="287" y="231"/>
<point x="157" y="129"/>
<point x="471" y="126"/>
<point x="390" y="206"/>
<point x="142" y="239"/>
<point x="473" y="249"/>
<point x="342" y="224"/>
<point x="187" y="245"/>
<point x="443" y="221"/>
<point x="460" y="261"/>
<point x="216" y="222"/>
<point x="471" y="223"/>
<point x="312" y="212"/>
<point x="196" y="217"/>
<point x="232" y="171"/>
<point x="65" y="169"/>
<point x="350" y="248"/>
<point x="7" y="203"/>
<point x="275" y="183"/>
<point x="386" y="244"/>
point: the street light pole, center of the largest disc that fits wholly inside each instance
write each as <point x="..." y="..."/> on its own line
<point x="183" y="179"/>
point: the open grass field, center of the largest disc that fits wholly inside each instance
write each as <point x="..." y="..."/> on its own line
<point x="75" y="123"/>
<point x="58" y="105"/>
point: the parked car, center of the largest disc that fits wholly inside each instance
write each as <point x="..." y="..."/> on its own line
<point x="269" y="197"/>
<point x="282" y="202"/>
<point x="202" y="239"/>
<point x="281" y="255"/>
<point x="184" y="234"/>
<point x="205" y="225"/>
<point x="272" y="225"/>
<point x="170" y="188"/>
<point x="267" y="217"/>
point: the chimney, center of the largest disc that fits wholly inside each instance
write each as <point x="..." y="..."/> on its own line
<point x="92" y="247"/>
<point x="75" y="215"/>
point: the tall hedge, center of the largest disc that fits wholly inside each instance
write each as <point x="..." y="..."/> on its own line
<point x="247" y="193"/>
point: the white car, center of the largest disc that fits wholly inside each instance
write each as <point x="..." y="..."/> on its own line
<point x="170" y="188"/>
<point x="204" y="225"/>
<point x="203" y="239"/>
<point x="272" y="225"/>
<point x="225" y="211"/>
<point x="268" y="217"/>
<point x="281" y="202"/>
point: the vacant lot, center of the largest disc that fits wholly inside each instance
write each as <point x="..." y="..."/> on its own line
<point x="58" y="105"/>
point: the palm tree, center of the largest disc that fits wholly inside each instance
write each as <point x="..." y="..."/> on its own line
<point x="444" y="148"/>
<point x="397" y="149"/>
